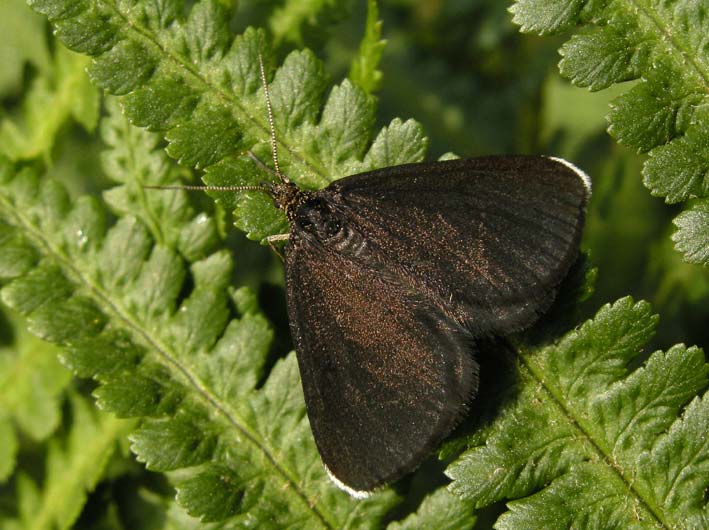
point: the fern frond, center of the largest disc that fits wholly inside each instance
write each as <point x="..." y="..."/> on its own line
<point x="186" y="77"/>
<point x="145" y="306"/>
<point x="305" y="22"/>
<point x="116" y="301"/>
<point x="589" y="442"/>
<point x="664" y="46"/>
<point x="74" y="464"/>
<point x="53" y="99"/>
<point x="33" y="382"/>
<point x="440" y="510"/>
<point x="134" y="161"/>
<point x="364" y="70"/>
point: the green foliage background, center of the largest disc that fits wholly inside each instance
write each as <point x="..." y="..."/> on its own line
<point x="155" y="308"/>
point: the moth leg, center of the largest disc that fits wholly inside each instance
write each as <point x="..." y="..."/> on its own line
<point x="277" y="237"/>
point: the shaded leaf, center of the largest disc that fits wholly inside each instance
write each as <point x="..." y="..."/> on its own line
<point x="574" y="446"/>
<point x="662" y="45"/>
<point x="33" y="382"/>
<point x="20" y="45"/>
<point x="73" y="466"/>
<point x="64" y="93"/>
<point x="439" y="510"/>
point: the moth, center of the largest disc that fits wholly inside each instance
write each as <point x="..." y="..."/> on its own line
<point x="393" y="275"/>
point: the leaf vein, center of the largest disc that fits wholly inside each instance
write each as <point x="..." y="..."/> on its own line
<point x="104" y="300"/>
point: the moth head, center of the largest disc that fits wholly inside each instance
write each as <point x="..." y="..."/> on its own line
<point x="317" y="217"/>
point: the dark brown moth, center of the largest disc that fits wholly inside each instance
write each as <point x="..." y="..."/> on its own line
<point x="392" y="276"/>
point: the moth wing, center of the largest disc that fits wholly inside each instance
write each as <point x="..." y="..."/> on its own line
<point x="386" y="375"/>
<point x="488" y="238"/>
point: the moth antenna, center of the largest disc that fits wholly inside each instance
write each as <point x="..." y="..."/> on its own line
<point x="265" y="189"/>
<point x="271" y="125"/>
<point x="274" y="152"/>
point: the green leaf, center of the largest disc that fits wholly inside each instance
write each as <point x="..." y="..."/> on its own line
<point x="692" y="235"/>
<point x="297" y="89"/>
<point x="174" y="443"/>
<point x="662" y="46"/>
<point x="63" y="93"/>
<point x="8" y="448"/>
<point x="16" y="258"/>
<point x="602" y="58"/>
<point x="399" y="143"/>
<point x="215" y="494"/>
<point x="680" y="170"/>
<point x="41" y="285"/>
<point x="565" y="503"/>
<point x="20" y="44"/>
<point x="33" y="382"/>
<point x="546" y="16"/>
<point x="253" y="211"/>
<point x="79" y="319"/>
<point x="303" y="21"/>
<point x="675" y="469"/>
<point x="203" y="95"/>
<point x="159" y="335"/>
<point x="73" y="466"/>
<point x="574" y="446"/>
<point x="440" y="510"/>
<point x="364" y="70"/>
<point x="345" y="128"/>
<point x="654" y="111"/>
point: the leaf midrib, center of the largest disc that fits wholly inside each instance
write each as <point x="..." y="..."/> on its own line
<point x="103" y="299"/>
<point x="669" y="36"/>
<point x="228" y="99"/>
<point x="597" y="444"/>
